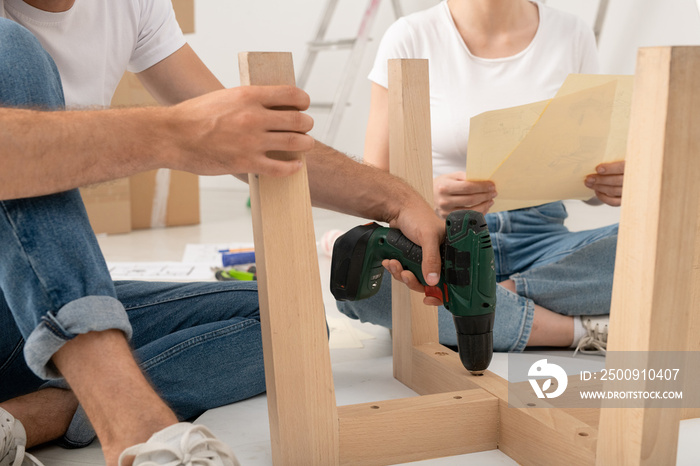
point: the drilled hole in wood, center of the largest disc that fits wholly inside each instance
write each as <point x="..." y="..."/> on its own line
<point x="374" y="407"/>
<point x="531" y="404"/>
<point x="583" y="434"/>
<point x="457" y="397"/>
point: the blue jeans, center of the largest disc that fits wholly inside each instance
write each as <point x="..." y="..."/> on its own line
<point x="199" y="343"/>
<point x="566" y="272"/>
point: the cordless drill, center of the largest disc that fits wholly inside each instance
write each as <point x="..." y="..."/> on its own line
<point x="467" y="281"/>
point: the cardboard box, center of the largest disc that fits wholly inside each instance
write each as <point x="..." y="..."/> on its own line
<point x="152" y="199"/>
<point x="109" y="206"/>
<point x="164" y="197"/>
<point x="184" y="13"/>
<point x="131" y="93"/>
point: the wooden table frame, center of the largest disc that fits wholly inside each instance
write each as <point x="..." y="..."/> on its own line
<point x="456" y="412"/>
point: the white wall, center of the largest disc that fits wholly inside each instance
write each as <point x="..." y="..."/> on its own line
<point x="225" y="28"/>
<point x="630" y="24"/>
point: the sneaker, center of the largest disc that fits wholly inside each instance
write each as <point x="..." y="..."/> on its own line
<point x="182" y="444"/>
<point x="13" y="439"/>
<point x="328" y="240"/>
<point x="595" y="341"/>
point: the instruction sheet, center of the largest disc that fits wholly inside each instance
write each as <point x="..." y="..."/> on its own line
<point x="542" y="152"/>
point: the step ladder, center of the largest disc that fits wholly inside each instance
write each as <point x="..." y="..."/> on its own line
<point x="600" y="19"/>
<point x="357" y="47"/>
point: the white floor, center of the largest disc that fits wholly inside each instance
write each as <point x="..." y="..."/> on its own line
<point x="360" y="353"/>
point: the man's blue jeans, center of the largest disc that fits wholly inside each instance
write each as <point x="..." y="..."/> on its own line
<point x="199" y="344"/>
<point x="567" y="272"/>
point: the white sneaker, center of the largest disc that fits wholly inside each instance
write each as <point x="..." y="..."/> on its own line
<point x="13" y="439"/>
<point x="182" y="444"/>
<point x="595" y="341"/>
<point x="328" y="240"/>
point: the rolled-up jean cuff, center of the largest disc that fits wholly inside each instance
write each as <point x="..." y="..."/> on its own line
<point x="88" y="314"/>
<point x="514" y="318"/>
<point x="526" y="328"/>
<point x="529" y="313"/>
<point x="521" y="287"/>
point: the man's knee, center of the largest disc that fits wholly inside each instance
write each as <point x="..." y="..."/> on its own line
<point x="18" y="45"/>
<point x="28" y="75"/>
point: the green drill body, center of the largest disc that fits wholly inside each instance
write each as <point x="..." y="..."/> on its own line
<point x="467" y="283"/>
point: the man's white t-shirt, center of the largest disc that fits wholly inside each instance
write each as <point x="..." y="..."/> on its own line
<point x="95" y="41"/>
<point x="463" y="85"/>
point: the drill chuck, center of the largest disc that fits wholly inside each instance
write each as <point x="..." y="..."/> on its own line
<point x="475" y="341"/>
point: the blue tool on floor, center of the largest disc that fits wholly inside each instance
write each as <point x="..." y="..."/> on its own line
<point x="230" y="258"/>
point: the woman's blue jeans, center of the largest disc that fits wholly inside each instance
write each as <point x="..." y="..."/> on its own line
<point x="566" y="272"/>
<point x="198" y="343"/>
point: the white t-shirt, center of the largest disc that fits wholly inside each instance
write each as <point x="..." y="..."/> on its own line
<point x="95" y="41"/>
<point x="463" y="85"/>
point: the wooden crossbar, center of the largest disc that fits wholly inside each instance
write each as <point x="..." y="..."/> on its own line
<point x="411" y="429"/>
<point x="456" y="412"/>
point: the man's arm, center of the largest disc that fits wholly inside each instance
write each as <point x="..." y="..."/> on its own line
<point x="340" y="183"/>
<point x="47" y="152"/>
<point x="211" y="131"/>
<point x="179" y="77"/>
<point x="221" y="132"/>
<point x="336" y="181"/>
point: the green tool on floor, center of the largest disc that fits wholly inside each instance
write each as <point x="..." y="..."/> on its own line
<point x="236" y="275"/>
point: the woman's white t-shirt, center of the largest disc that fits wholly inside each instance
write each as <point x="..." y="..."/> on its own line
<point x="463" y="85"/>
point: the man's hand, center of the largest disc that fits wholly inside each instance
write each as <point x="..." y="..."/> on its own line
<point x="453" y="192"/>
<point x="340" y="183"/>
<point x="424" y="228"/>
<point x="607" y="182"/>
<point x="230" y="131"/>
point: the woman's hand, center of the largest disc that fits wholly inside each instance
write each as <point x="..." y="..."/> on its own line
<point x="607" y="182"/>
<point x="454" y="192"/>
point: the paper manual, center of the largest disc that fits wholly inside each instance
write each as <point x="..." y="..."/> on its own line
<point x="542" y="152"/>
